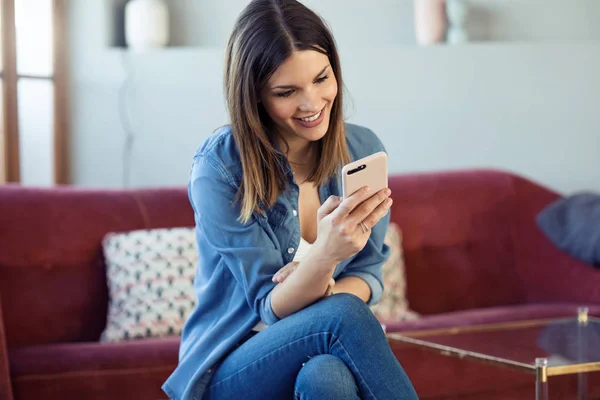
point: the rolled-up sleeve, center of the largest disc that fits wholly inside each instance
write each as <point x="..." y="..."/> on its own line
<point x="245" y="248"/>
<point x="368" y="263"/>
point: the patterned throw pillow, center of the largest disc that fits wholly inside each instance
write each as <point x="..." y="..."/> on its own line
<point x="150" y="276"/>
<point x="393" y="304"/>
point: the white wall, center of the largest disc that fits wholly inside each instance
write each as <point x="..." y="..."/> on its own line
<point x="526" y="106"/>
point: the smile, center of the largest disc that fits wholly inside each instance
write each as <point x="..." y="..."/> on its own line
<point x="312" y="117"/>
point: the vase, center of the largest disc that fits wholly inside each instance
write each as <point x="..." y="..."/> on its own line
<point x="457" y="12"/>
<point x="146" y="24"/>
<point x="430" y="21"/>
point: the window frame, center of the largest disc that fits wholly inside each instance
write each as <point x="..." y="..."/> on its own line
<point x="9" y="135"/>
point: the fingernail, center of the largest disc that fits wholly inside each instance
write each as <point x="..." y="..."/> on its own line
<point x="388" y="192"/>
<point x="367" y="189"/>
<point x="388" y="202"/>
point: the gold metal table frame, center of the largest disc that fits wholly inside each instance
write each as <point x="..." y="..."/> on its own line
<point x="540" y="367"/>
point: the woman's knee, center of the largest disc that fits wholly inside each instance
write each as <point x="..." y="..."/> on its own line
<point x="325" y="377"/>
<point x="351" y="307"/>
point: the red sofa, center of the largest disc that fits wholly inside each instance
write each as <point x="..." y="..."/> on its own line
<point x="473" y="253"/>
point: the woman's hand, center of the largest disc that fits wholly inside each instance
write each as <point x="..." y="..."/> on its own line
<point x="344" y="227"/>
<point x="286" y="271"/>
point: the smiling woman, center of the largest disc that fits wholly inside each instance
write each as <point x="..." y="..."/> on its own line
<point x="297" y="109"/>
<point x="266" y="197"/>
<point x="298" y="79"/>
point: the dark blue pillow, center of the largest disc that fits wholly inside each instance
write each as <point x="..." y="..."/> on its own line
<point x="573" y="224"/>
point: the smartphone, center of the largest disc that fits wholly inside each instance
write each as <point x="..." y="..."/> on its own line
<point x="369" y="171"/>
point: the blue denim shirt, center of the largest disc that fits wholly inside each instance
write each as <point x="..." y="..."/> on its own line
<point x="237" y="261"/>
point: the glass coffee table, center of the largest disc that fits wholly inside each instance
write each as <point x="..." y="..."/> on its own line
<point x="544" y="347"/>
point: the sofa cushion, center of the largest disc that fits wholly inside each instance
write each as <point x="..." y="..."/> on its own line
<point x="129" y="370"/>
<point x="457" y="238"/>
<point x="393" y="304"/>
<point x="546" y="273"/>
<point x="51" y="262"/>
<point x="150" y="275"/>
<point x="572" y="223"/>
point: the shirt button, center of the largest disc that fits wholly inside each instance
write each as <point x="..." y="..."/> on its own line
<point x="290" y="250"/>
<point x="295" y="213"/>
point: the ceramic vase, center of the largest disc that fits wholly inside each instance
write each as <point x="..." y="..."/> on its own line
<point x="457" y="12"/>
<point x="146" y="24"/>
<point x="430" y="21"/>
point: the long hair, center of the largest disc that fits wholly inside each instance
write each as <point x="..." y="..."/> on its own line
<point x="265" y="34"/>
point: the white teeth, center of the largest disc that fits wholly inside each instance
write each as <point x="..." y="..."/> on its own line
<point x="313" y="118"/>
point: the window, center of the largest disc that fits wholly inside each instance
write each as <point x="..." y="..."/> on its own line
<point x="34" y="104"/>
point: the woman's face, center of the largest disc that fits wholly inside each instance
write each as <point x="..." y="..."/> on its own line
<point x="299" y="96"/>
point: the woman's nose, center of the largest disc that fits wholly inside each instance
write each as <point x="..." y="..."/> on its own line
<point x="309" y="102"/>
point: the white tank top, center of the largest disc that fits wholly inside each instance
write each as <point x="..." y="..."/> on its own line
<point x="303" y="248"/>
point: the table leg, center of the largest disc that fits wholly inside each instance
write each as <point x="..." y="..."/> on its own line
<point x="582" y="386"/>
<point x="541" y="379"/>
<point x="582" y="340"/>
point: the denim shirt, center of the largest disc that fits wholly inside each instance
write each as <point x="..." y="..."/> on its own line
<point x="236" y="261"/>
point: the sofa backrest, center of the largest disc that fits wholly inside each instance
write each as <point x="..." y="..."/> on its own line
<point x="460" y="231"/>
<point x="547" y="273"/>
<point x="52" y="274"/>
<point x="458" y="237"/>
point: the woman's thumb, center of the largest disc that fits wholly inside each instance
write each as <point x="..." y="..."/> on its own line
<point x="329" y="206"/>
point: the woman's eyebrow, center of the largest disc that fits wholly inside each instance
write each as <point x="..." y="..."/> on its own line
<point x="294" y="87"/>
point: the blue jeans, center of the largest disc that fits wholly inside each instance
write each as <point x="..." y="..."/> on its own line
<point x="333" y="349"/>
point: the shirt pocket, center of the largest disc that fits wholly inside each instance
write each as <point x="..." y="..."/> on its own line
<point x="276" y="215"/>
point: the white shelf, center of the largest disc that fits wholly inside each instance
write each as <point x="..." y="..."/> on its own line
<point x="207" y="23"/>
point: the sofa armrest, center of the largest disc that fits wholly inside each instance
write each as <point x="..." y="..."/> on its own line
<point x="546" y="272"/>
<point x="5" y="383"/>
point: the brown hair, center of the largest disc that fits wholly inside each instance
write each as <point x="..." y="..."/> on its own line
<point x="264" y="36"/>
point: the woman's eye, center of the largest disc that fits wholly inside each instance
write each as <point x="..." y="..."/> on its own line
<point x="290" y="92"/>
<point x="285" y="94"/>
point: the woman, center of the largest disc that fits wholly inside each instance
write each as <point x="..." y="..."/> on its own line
<point x="287" y="270"/>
